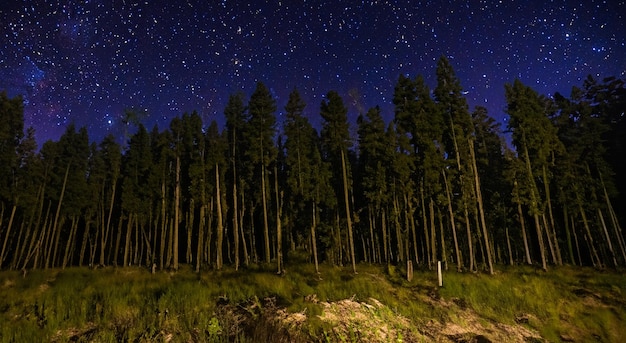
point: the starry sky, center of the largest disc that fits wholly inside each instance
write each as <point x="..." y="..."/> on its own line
<point x="85" y="62"/>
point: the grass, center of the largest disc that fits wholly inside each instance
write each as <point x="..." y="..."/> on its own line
<point x="130" y="304"/>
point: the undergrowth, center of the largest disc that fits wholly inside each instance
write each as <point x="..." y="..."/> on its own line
<point x="131" y="304"/>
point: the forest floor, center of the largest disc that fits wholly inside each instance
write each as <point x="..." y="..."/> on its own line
<point x="254" y="304"/>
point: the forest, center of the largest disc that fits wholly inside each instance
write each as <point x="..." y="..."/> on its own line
<point x="437" y="183"/>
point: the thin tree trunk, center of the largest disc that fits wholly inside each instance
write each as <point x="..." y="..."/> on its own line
<point x="279" y="233"/>
<point x="220" y="223"/>
<point x="459" y="262"/>
<point x="313" y="238"/>
<point x="534" y="206"/>
<point x="105" y="235"/>
<point x="83" y="245"/>
<point x="411" y="220"/>
<point x="236" y="228"/>
<point x="348" y="213"/>
<point x="129" y="231"/>
<point x="508" y="245"/>
<point x="396" y="221"/>
<point x="433" y="235"/>
<point x="568" y="235"/>
<point x="549" y="237"/>
<point x="552" y="229"/>
<point x="520" y="214"/>
<point x="589" y="237"/>
<point x="8" y="233"/>
<point x="70" y="243"/>
<point x="608" y="238"/>
<point x="176" y="215"/>
<point x="55" y="229"/>
<point x="616" y="227"/>
<point x="190" y="224"/>
<point x="371" y="227"/>
<point x="580" y="261"/>
<point x="383" y="224"/>
<point x="118" y="240"/>
<point x="164" y="235"/>
<point x="242" y="214"/>
<point x="481" y="210"/>
<point x="201" y="229"/>
<point x="425" y="226"/>
<point x="444" y="254"/>
<point x="266" y="230"/>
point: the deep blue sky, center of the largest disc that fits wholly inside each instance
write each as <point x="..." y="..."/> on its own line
<point x="87" y="61"/>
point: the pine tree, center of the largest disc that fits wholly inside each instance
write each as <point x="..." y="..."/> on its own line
<point x="261" y="149"/>
<point x="336" y="141"/>
<point x="236" y="121"/>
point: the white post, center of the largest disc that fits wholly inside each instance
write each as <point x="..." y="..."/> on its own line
<point x="439" y="276"/>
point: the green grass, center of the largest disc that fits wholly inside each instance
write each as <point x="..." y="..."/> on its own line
<point x="124" y="304"/>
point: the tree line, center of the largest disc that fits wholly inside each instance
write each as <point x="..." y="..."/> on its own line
<point x="437" y="183"/>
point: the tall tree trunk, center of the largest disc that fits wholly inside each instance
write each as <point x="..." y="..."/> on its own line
<point x="164" y="235"/>
<point x="592" y="246"/>
<point x="549" y="237"/>
<point x="105" y="235"/>
<point x="55" y="229"/>
<point x="83" y="246"/>
<point x="552" y="228"/>
<point x="444" y="253"/>
<point x="608" y="238"/>
<point x="348" y="213"/>
<point x="481" y="210"/>
<point x="459" y="262"/>
<point x="383" y="225"/>
<point x="396" y="220"/>
<point x="118" y="240"/>
<point x="8" y="233"/>
<point x="176" y="215"/>
<point x="266" y="230"/>
<point x="580" y="261"/>
<point x="520" y="214"/>
<point x="190" y="224"/>
<point x="470" y="241"/>
<point x="220" y="222"/>
<point x="371" y="227"/>
<point x="313" y="238"/>
<point x="242" y="214"/>
<point x="508" y="245"/>
<point x="129" y="231"/>
<point x="535" y="207"/>
<point x="279" y="233"/>
<point x="425" y="226"/>
<point x="70" y="242"/>
<point x="201" y="230"/>
<point x="568" y="235"/>
<point x="236" y="228"/>
<point x="433" y="235"/>
<point x="616" y="227"/>
<point x="411" y="220"/>
<point x="542" y="248"/>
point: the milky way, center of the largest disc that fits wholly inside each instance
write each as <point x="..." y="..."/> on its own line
<point x="85" y="62"/>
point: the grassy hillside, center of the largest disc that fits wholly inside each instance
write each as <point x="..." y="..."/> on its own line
<point x="256" y="305"/>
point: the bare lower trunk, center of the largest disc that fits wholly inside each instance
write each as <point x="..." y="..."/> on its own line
<point x="8" y="233"/>
<point x="279" y="231"/>
<point x="313" y="238"/>
<point x="266" y="229"/>
<point x="220" y="223"/>
<point x="459" y="262"/>
<point x="348" y="213"/>
<point x="176" y="216"/>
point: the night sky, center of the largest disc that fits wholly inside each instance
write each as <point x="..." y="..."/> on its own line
<point x="87" y="61"/>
